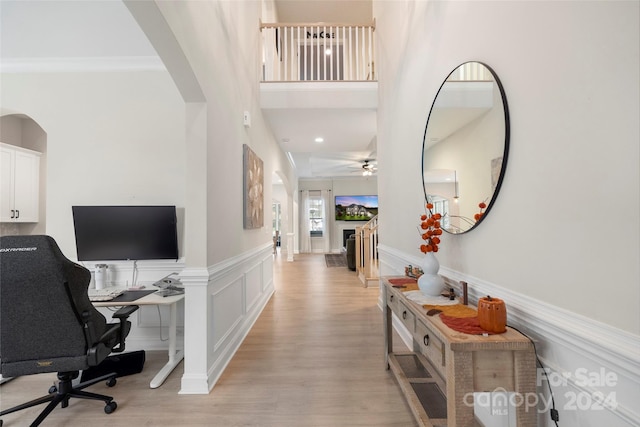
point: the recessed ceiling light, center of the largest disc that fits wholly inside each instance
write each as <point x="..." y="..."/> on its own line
<point x="319" y="139"/>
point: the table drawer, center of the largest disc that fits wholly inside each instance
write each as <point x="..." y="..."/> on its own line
<point x="431" y="346"/>
<point x="405" y="315"/>
<point x="392" y="302"/>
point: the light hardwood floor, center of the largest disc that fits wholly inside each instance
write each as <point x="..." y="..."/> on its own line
<point x="313" y="358"/>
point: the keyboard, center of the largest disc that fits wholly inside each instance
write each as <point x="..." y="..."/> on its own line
<point x="106" y="294"/>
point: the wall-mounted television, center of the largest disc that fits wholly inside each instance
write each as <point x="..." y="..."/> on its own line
<point x="356" y="208"/>
<point x="110" y="233"/>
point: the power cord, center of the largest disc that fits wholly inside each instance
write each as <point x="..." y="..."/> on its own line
<point x="134" y="273"/>
<point x="553" y="412"/>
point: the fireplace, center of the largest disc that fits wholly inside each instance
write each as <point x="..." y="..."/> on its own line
<point x="345" y="235"/>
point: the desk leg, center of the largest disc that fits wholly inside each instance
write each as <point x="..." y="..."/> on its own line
<point x="175" y="356"/>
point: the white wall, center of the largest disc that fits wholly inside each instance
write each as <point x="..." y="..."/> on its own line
<point x="146" y="137"/>
<point x="220" y="43"/>
<point x="562" y="241"/>
<point x="340" y="187"/>
<point x="226" y="294"/>
<point x="112" y="138"/>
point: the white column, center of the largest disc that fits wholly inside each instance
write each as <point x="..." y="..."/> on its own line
<point x="195" y="379"/>
<point x="290" y="247"/>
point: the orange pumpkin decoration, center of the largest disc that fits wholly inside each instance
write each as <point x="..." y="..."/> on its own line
<point x="492" y="314"/>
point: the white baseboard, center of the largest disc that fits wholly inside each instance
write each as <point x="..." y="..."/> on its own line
<point x="586" y="360"/>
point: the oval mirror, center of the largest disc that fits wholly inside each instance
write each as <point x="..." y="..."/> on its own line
<point x="465" y="146"/>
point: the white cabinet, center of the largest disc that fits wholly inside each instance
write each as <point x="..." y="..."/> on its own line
<point x="19" y="184"/>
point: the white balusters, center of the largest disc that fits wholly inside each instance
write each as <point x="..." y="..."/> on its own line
<point x="318" y="52"/>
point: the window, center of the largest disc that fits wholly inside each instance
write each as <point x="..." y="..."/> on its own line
<point x="316" y="221"/>
<point x="441" y="206"/>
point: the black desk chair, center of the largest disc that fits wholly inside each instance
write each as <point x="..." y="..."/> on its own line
<point x="48" y="324"/>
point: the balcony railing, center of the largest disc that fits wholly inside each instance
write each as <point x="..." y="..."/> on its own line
<point x="317" y="52"/>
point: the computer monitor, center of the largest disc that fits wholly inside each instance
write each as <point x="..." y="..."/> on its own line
<point x="110" y="233"/>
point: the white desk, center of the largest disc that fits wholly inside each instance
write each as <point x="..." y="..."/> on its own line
<point x="175" y="355"/>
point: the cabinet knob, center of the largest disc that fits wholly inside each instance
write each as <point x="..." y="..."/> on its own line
<point x="13" y="213"/>
<point x="404" y="314"/>
<point x="391" y="298"/>
<point x="17" y="213"/>
<point x="426" y="339"/>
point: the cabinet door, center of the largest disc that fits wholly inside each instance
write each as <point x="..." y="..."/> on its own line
<point x="26" y="178"/>
<point x="6" y="185"/>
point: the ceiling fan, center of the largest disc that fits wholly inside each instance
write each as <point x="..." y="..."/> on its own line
<point x="368" y="168"/>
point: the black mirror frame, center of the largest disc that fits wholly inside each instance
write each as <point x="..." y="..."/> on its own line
<point x="507" y="134"/>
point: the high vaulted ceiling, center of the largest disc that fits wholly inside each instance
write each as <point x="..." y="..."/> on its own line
<point x="343" y="114"/>
<point x="330" y="11"/>
<point x="45" y="34"/>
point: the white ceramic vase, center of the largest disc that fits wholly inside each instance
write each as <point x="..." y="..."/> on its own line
<point x="430" y="283"/>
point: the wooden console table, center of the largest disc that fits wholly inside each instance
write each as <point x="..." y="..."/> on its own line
<point x="445" y="368"/>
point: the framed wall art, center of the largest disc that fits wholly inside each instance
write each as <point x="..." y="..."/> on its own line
<point x="253" y="182"/>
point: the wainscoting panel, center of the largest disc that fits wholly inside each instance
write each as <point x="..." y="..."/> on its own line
<point x="227" y="310"/>
<point x="593" y="368"/>
<point x="239" y="288"/>
<point x="267" y="273"/>
<point x="253" y="285"/>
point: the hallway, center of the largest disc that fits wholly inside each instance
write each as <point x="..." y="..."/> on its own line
<point x="313" y="358"/>
<point x="315" y="355"/>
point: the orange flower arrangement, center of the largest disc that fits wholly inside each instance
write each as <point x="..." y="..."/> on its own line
<point x="482" y="206"/>
<point x="430" y="230"/>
